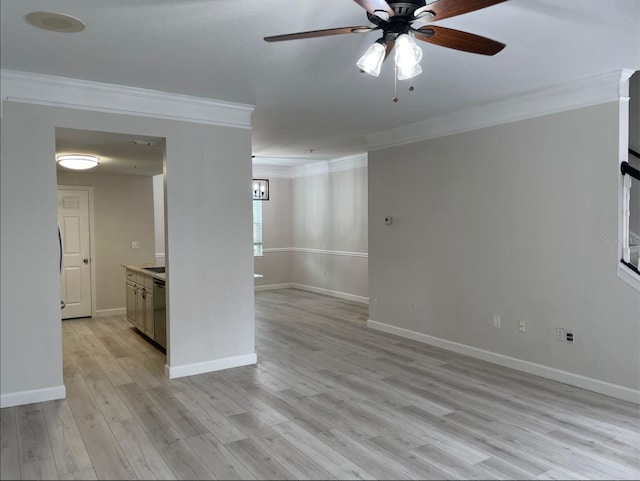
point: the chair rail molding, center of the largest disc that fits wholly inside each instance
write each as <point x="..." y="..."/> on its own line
<point x="315" y="251"/>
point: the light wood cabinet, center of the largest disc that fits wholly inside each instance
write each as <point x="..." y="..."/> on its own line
<point x="132" y="292"/>
<point x="140" y="309"/>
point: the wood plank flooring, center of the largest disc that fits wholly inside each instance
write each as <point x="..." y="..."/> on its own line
<point x="329" y="399"/>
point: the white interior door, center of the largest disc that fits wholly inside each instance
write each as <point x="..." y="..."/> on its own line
<point x="73" y="219"/>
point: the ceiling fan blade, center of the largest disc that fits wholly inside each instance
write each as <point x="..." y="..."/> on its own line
<point x="372" y="6"/>
<point x="452" y="8"/>
<point x="450" y="38"/>
<point x="319" y="33"/>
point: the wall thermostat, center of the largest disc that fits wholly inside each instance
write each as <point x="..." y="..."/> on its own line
<point x="388" y="220"/>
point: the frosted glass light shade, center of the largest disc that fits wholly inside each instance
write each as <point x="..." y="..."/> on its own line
<point x="78" y="162"/>
<point x="408" y="73"/>
<point x="408" y="54"/>
<point x="371" y="61"/>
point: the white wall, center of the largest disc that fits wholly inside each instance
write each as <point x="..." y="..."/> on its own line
<point x="517" y="220"/>
<point x="158" y="216"/>
<point x="210" y="284"/>
<point x="315" y="230"/>
<point x="123" y="212"/>
<point x="330" y="216"/>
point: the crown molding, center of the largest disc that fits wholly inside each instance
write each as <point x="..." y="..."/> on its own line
<point x="573" y="95"/>
<point x="316" y="168"/>
<point x="71" y="93"/>
<point x="337" y="165"/>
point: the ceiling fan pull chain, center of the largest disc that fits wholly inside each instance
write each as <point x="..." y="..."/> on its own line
<point x="411" y="88"/>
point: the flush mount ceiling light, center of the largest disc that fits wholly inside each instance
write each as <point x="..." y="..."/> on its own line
<point x="55" y="22"/>
<point x="78" y="161"/>
<point x="403" y="21"/>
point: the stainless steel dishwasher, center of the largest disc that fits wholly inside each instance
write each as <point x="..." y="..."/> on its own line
<point x="159" y="313"/>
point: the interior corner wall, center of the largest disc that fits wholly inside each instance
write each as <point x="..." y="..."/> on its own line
<point x="123" y="212"/>
<point x="516" y="220"/>
<point x="330" y="233"/>
<point x="210" y="284"/>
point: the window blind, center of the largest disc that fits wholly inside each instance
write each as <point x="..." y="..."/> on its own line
<point x="257" y="228"/>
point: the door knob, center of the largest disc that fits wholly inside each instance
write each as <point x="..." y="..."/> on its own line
<point x="85" y="260"/>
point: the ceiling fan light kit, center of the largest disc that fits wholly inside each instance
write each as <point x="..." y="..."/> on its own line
<point x="371" y="61"/>
<point x="401" y="22"/>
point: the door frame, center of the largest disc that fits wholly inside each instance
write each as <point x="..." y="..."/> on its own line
<point x="92" y="246"/>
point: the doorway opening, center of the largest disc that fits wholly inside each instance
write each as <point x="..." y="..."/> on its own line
<point x="109" y="216"/>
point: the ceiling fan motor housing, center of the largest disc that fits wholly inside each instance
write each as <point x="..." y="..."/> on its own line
<point x="405" y="12"/>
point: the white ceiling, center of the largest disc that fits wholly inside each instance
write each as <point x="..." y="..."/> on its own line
<point x="311" y="101"/>
<point x="118" y="153"/>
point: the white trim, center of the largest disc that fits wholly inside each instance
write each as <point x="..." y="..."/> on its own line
<point x="35" y="396"/>
<point x="174" y="372"/>
<point x="273" y="287"/>
<point x="316" y="290"/>
<point x="315" y="251"/>
<point x="95" y="96"/>
<point x="572" y="95"/>
<point x="120" y="311"/>
<point x="272" y="171"/>
<point x="328" y="292"/>
<point x="328" y="167"/>
<point x="160" y="256"/>
<point x="310" y="169"/>
<point x="602" y="387"/>
<point x="628" y="276"/>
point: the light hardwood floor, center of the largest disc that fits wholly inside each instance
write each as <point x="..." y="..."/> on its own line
<point x="328" y="399"/>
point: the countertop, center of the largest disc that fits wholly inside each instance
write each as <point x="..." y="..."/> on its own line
<point x="141" y="269"/>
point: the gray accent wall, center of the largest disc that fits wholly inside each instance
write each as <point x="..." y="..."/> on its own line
<point x="517" y="220"/>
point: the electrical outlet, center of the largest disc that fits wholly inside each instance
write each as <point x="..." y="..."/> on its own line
<point x="496" y="322"/>
<point x="560" y="334"/>
<point x="570" y="337"/>
<point x="522" y="326"/>
<point x="135" y="244"/>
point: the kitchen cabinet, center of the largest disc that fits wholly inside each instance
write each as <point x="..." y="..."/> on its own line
<point x="139" y="301"/>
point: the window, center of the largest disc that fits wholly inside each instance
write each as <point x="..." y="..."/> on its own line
<point x="257" y="228"/>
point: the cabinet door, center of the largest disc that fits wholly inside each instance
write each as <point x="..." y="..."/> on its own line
<point x="131" y="302"/>
<point x="140" y="298"/>
<point x="148" y="313"/>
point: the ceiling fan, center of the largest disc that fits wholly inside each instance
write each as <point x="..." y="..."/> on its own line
<point x="401" y="22"/>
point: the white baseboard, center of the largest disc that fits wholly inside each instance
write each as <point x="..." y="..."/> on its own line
<point x="328" y="292"/>
<point x="174" y="372"/>
<point x="35" y="396"/>
<point x="273" y="287"/>
<point x="120" y="311"/>
<point x="316" y="290"/>
<point x="602" y="387"/>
